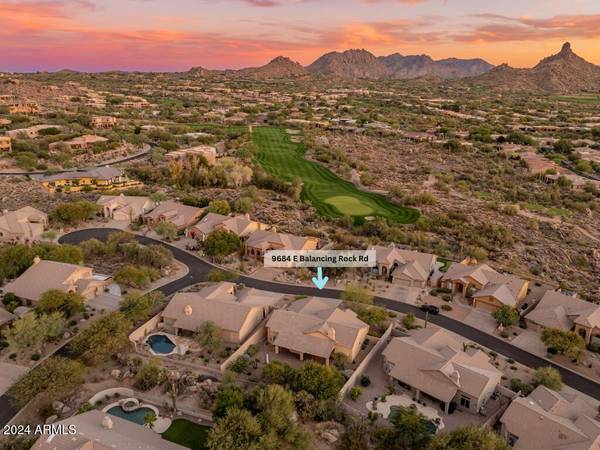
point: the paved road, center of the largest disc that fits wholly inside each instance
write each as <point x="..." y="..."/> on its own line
<point x="198" y="270"/>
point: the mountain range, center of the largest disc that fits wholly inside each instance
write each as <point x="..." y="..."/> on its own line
<point x="564" y="72"/>
<point x="361" y="64"/>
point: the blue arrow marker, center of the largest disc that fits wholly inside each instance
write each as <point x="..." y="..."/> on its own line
<point x="320" y="281"/>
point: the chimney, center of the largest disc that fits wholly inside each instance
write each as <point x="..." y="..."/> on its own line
<point x="188" y="310"/>
<point x="36" y="260"/>
<point x="247" y="216"/>
<point x="107" y="423"/>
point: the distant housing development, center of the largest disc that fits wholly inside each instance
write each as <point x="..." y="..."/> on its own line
<point x="101" y="178"/>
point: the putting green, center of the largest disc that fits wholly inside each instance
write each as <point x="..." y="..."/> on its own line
<point x="349" y="206"/>
<point x="329" y="194"/>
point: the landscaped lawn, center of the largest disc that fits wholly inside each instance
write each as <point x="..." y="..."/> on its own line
<point x="328" y="193"/>
<point x="188" y="434"/>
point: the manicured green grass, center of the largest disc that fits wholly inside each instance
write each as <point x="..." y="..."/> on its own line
<point x="188" y="434"/>
<point x="329" y="194"/>
<point x="585" y="99"/>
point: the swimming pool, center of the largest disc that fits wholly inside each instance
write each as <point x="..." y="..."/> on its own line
<point x="161" y="344"/>
<point x="135" y="416"/>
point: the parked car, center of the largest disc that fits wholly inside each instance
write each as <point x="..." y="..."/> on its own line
<point x="431" y="309"/>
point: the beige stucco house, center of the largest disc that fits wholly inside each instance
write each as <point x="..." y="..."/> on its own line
<point x="548" y="419"/>
<point x="241" y="226"/>
<point x="236" y="312"/>
<point x="125" y="208"/>
<point x="404" y="267"/>
<point x="262" y="241"/>
<point x="206" y="151"/>
<point x="43" y="276"/>
<point x="567" y="313"/>
<point x="432" y="362"/>
<point x="96" y="430"/>
<point x="317" y="327"/>
<point x="491" y="289"/>
<point x="181" y="216"/>
<point x="23" y="225"/>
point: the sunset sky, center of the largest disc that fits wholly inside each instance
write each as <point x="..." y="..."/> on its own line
<point x="172" y="35"/>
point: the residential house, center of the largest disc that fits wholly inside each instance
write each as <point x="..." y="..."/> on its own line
<point x="23" y="225"/>
<point x="432" y="362"/>
<point x="489" y="288"/>
<point x="404" y="267"/>
<point x="206" y="151"/>
<point x="23" y="108"/>
<point x="97" y="430"/>
<point x="31" y="132"/>
<point x="100" y="178"/>
<point x="547" y="419"/>
<point x="124" y="207"/>
<point x="43" y="276"/>
<point x="79" y="143"/>
<point x="556" y="310"/>
<point x="5" y="144"/>
<point x="236" y="312"/>
<point x="241" y="226"/>
<point x="182" y="216"/>
<point x="262" y="241"/>
<point x="317" y="327"/>
<point x="103" y="121"/>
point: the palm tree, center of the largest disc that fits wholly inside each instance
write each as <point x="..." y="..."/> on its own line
<point x="149" y="420"/>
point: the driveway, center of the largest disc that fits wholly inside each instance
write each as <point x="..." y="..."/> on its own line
<point x="9" y="373"/>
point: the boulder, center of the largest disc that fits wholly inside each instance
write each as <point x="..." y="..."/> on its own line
<point x="57" y="406"/>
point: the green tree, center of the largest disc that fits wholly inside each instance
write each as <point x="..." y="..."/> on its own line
<point x="166" y="230"/>
<point x="24" y="334"/>
<point x="237" y="430"/>
<point x="277" y="372"/>
<point x="506" y="316"/>
<point x="221" y="243"/>
<point x="356" y="436"/>
<point x="549" y="377"/>
<point x="410" y="430"/>
<point x="150" y="375"/>
<point x="69" y="303"/>
<point x="354" y="292"/>
<point x="73" y="213"/>
<point x="208" y="336"/>
<point x="150" y="420"/>
<point x="243" y="205"/>
<point x="468" y="438"/>
<point x="566" y="343"/>
<point x="104" y="338"/>
<point x="48" y="381"/>
<point x="219" y="207"/>
<point x="138" y="307"/>
<point x="323" y="382"/>
<point x="138" y="277"/>
<point x="228" y="398"/>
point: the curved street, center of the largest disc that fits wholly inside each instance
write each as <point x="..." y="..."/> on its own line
<point x="199" y="268"/>
<point x="198" y="271"/>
